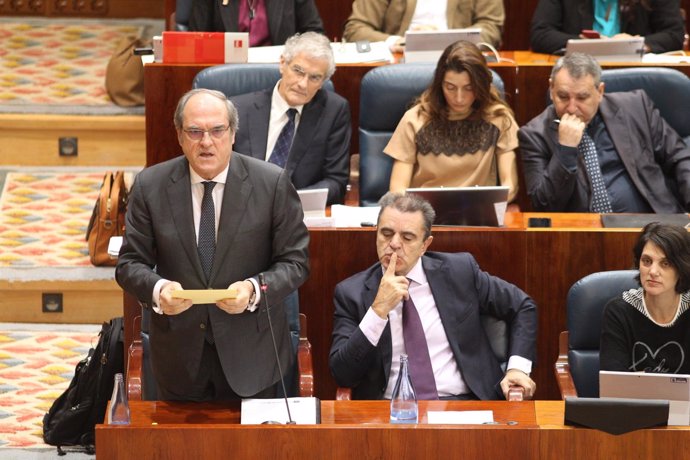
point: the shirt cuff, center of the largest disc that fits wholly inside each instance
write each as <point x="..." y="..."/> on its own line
<point x="372" y="326"/>
<point x="155" y="305"/>
<point x="252" y="306"/>
<point x="520" y="363"/>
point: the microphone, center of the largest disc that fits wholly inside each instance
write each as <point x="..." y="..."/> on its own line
<point x="264" y="295"/>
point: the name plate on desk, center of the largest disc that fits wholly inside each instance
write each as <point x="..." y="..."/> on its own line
<point x="304" y="411"/>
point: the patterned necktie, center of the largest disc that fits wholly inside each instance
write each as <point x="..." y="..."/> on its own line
<point x="421" y="372"/>
<point x="206" y="247"/>
<point x="284" y="142"/>
<point x="600" y="197"/>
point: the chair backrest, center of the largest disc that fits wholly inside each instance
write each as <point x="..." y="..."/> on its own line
<point x="585" y="304"/>
<point x="497" y="332"/>
<point x="669" y="89"/>
<point x="236" y="79"/>
<point x="386" y="93"/>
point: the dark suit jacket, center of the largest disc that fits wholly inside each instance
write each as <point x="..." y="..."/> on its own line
<point x="556" y="21"/>
<point x="260" y="230"/>
<point x="653" y="154"/>
<point x="285" y="17"/>
<point x="462" y="293"/>
<point x="320" y="153"/>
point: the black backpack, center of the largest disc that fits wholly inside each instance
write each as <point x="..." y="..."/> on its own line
<point x="72" y="419"/>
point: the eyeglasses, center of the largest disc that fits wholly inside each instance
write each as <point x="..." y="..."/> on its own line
<point x="313" y="78"/>
<point x="198" y="134"/>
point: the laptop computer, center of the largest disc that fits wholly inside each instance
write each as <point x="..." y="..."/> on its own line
<point x="640" y="220"/>
<point x="428" y="45"/>
<point x="466" y="206"/>
<point x="608" y="49"/>
<point x="672" y="387"/>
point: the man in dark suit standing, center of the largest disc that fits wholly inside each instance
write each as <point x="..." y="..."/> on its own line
<point x="602" y="152"/>
<point x="269" y="22"/>
<point x="316" y="153"/>
<point x="213" y="219"/>
<point x="375" y="311"/>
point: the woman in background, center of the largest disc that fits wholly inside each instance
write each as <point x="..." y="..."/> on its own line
<point x="648" y="329"/>
<point x="459" y="132"/>
<point x="556" y="21"/>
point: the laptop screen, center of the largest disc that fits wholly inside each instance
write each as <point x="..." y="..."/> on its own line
<point x="672" y="387"/>
<point x="609" y="49"/>
<point x="428" y="45"/>
<point x="466" y="206"/>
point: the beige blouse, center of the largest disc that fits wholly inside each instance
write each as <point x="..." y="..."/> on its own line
<point x="457" y="152"/>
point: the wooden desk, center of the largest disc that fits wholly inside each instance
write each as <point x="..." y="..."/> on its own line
<point x="349" y="429"/>
<point x="360" y="429"/>
<point x="543" y="262"/>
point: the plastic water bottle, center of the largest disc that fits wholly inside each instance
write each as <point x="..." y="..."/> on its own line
<point x="119" y="406"/>
<point x="404" y="400"/>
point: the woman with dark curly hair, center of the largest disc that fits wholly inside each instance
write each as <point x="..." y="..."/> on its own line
<point x="459" y="132"/>
<point x="648" y="329"/>
<point x="556" y="21"/>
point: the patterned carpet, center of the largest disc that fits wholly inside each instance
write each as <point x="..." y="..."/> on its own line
<point x="43" y="218"/>
<point x="60" y="63"/>
<point x="36" y="366"/>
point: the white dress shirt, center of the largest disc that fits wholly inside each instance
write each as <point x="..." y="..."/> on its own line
<point x="278" y="119"/>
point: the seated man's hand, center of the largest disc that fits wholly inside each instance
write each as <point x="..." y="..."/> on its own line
<point x="170" y="305"/>
<point x="245" y="289"/>
<point x="570" y="130"/>
<point x="392" y="290"/>
<point x="515" y="377"/>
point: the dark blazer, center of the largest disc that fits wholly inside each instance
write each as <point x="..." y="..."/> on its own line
<point x="655" y="157"/>
<point x="260" y="230"/>
<point x="285" y="17"/>
<point x="462" y="292"/>
<point x="320" y="153"/>
<point x="556" y="21"/>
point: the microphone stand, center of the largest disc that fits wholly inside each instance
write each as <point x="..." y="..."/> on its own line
<point x="264" y="295"/>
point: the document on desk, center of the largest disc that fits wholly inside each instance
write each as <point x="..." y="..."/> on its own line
<point x="344" y="53"/>
<point x="304" y="411"/>
<point x="347" y="53"/>
<point x="463" y="417"/>
<point x="651" y="58"/>
<point x="354" y="216"/>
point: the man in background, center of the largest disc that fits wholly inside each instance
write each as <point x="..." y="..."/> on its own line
<point x="603" y="153"/>
<point x="298" y="125"/>
<point x="213" y="219"/>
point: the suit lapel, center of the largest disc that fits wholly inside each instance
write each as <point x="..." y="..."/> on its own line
<point x="274" y="11"/>
<point x="179" y="192"/>
<point x="235" y="198"/>
<point x="450" y="304"/>
<point x="230" y="14"/>
<point x="619" y="131"/>
<point x="307" y="129"/>
<point x="257" y="123"/>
